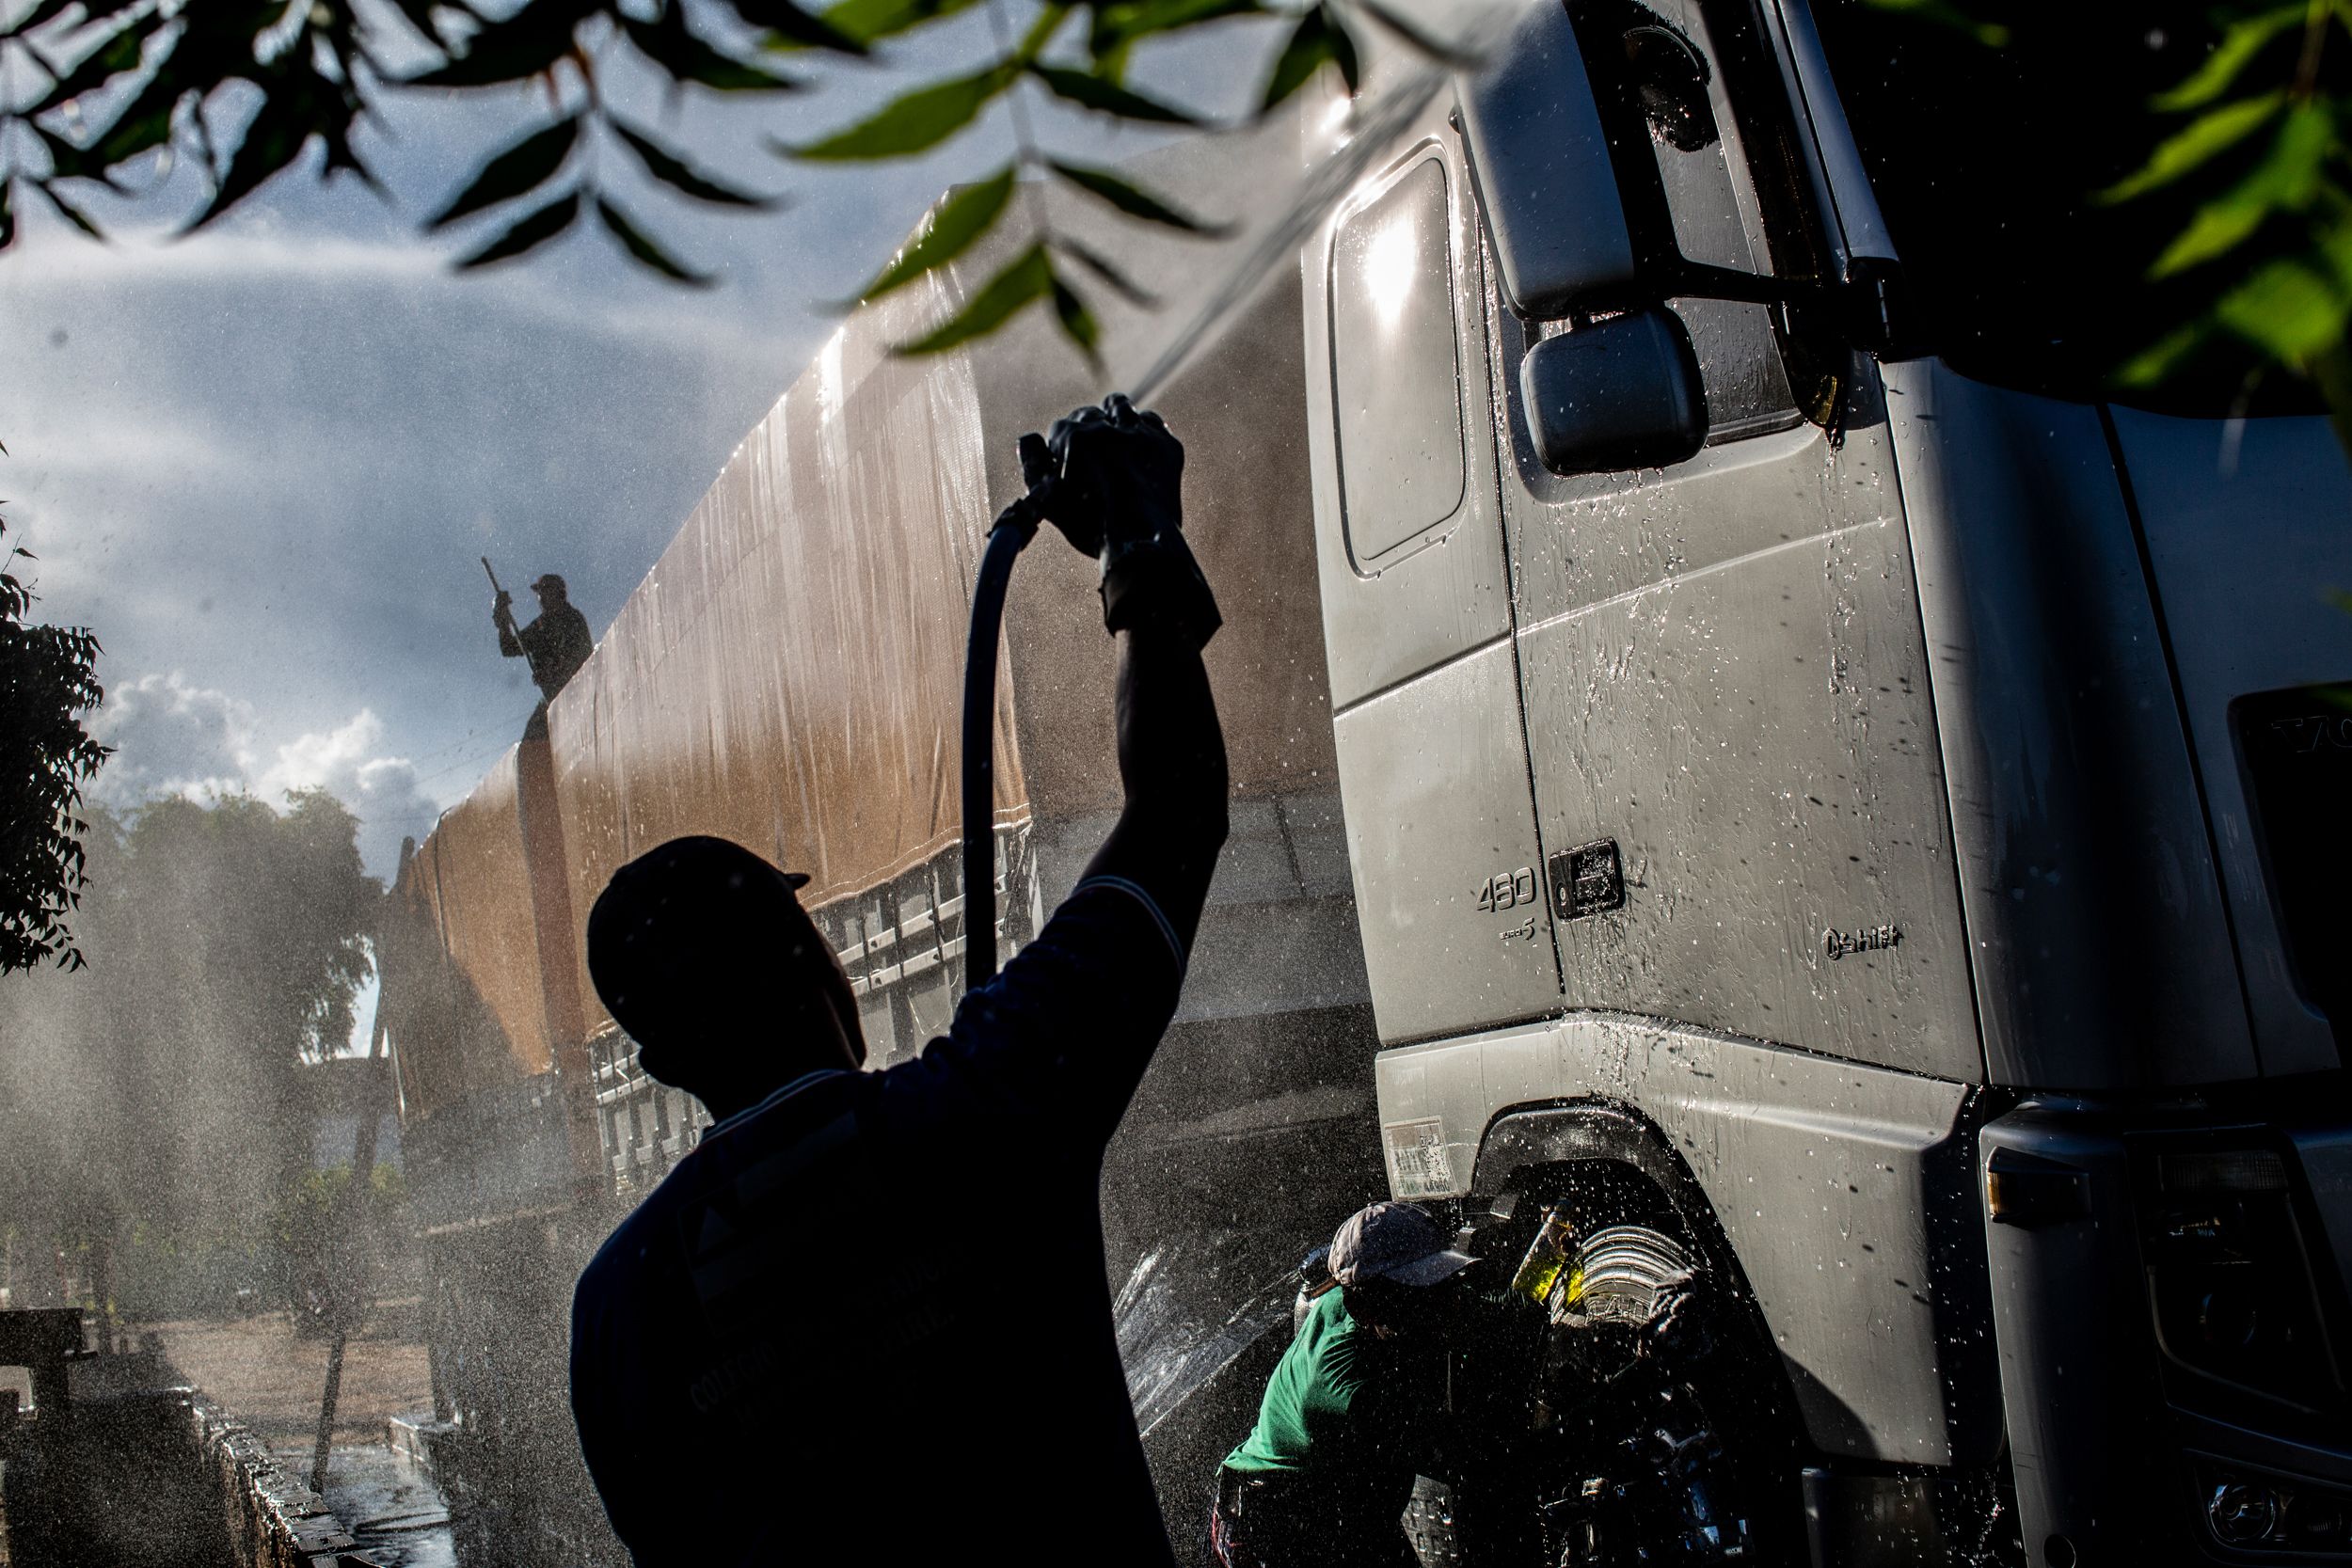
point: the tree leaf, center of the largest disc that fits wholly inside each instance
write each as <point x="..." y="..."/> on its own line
<point x="1319" y="38"/>
<point x="668" y="43"/>
<point x="787" y="21"/>
<point x="66" y="210"/>
<point x="2196" y="145"/>
<point x="2154" y="364"/>
<point x="1077" y="321"/>
<point x="513" y="49"/>
<point x="1343" y="52"/>
<point x="38" y="18"/>
<point x="871" y="21"/>
<point x="8" y="222"/>
<point x="278" y="133"/>
<point x="1117" y="26"/>
<point x="67" y="161"/>
<point x="145" y="123"/>
<point x="1425" y="42"/>
<point x="2242" y="41"/>
<point x="641" y="246"/>
<point x="529" y="163"/>
<point x="528" y="232"/>
<point x="913" y="122"/>
<point x="1108" y="97"/>
<point x="675" y="173"/>
<point x="120" y="50"/>
<point x="1102" y="266"/>
<point x="2289" y="310"/>
<point x="950" y="230"/>
<point x="2289" y="177"/>
<point x="1027" y="277"/>
<point x="1134" y="200"/>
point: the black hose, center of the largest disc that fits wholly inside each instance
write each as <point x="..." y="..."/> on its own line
<point x="1005" y="541"/>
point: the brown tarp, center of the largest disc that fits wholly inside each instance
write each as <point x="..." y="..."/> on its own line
<point x="789" y="673"/>
<point x="481" y="893"/>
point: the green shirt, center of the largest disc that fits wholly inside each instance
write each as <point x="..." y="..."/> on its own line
<point x="1307" y="1400"/>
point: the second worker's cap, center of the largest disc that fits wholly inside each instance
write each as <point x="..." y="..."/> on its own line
<point x="1394" y="1241"/>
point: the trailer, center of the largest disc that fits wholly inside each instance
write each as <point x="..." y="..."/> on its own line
<point x="788" y="676"/>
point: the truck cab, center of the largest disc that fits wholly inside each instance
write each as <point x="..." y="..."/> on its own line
<point x="1836" y="785"/>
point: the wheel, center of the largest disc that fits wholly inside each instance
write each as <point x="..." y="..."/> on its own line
<point x="1649" y="1430"/>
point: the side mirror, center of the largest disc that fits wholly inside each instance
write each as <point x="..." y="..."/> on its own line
<point x="1542" y="161"/>
<point x="1614" y="394"/>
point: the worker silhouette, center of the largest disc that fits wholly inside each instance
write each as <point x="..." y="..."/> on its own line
<point x="866" y="1319"/>
<point x="557" y="643"/>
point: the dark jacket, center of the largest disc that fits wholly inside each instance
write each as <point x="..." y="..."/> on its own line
<point x="557" y="644"/>
<point x="866" y="1321"/>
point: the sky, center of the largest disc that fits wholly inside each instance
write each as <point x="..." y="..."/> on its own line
<point x="262" y="463"/>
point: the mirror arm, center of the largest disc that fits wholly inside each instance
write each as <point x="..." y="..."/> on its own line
<point x="1869" y="311"/>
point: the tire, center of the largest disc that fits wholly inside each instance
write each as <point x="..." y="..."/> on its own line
<point x="1643" y="1447"/>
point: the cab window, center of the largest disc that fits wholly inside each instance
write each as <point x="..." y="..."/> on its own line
<point x="1661" y="69"/>
<point x="1395" y="369"/>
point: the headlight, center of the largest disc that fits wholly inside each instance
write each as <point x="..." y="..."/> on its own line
<point x="2230" y="1279"/>
<point x="2272" y="1512"/>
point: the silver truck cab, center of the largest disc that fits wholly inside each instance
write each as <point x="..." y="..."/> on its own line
<point x="1813" y="764"/>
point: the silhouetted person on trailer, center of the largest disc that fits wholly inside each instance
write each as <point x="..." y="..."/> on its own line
<point x="557" y="643"/>
<point x="866" y="1319"/>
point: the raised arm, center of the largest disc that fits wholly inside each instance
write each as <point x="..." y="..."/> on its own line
<point x="502" y="617"/>
<point x="1171" y="761"/>
<point x="1111" y="479"/>
<point x="1066" y="1031"/>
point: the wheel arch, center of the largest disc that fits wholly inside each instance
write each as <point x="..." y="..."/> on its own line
<point x="1523" y="1140"/>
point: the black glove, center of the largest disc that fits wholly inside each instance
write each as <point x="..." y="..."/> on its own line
<point x="1112" y="478"/>
<point x="1677" y="1327"/>
<point x="503" y="609"/>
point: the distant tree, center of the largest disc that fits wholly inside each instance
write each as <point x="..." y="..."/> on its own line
<point x="159" y="1085"/>
<point x="48" y="679"/>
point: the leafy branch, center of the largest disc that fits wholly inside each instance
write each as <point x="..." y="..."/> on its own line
<point x="1095" y="82"/>
<point x="2274" y="248"/>
<point x="247" y="89"/>
<point x="126" y="89"/>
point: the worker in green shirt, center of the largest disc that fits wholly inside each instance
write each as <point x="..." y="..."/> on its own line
<point x="1326" y="1474"/>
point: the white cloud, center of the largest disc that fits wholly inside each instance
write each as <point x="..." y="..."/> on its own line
<point x="173" y="738"/>
<point x="347" y="763"/>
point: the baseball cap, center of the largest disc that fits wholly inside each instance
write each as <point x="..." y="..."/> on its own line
<point x="548" y="580"/>
<point x="1397" y="1242"/>
<point x="686" y="937"/>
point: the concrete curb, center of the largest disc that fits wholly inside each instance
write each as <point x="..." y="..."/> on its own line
<point x="273" y="1520"/>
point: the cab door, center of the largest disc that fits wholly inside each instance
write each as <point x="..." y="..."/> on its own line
<point x="1737" y="778"/>
<point x="1416" y="605"/>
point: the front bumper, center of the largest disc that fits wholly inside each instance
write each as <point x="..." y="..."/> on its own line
<point x="2121" y="1449"/>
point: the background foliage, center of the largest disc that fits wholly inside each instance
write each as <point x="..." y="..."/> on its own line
<point x="48" y="680"/>
<point x="161" y="1091"/>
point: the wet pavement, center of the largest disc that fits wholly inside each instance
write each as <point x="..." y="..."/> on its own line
<point x="268" y="1376"/>
<point x="388" y="1504"/>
